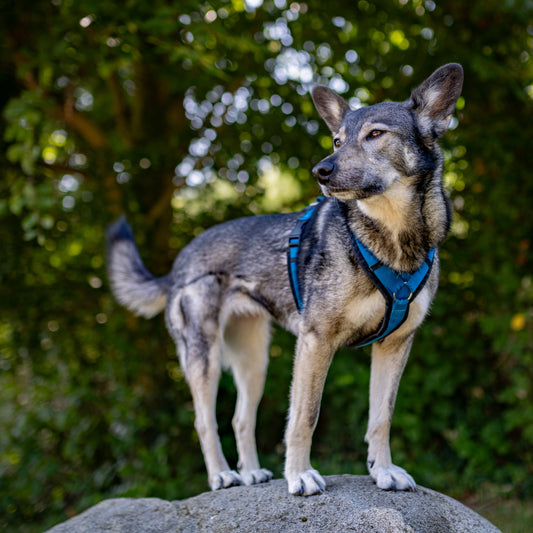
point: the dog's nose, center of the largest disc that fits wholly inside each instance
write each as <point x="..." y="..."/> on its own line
<point x="323" y="171"/>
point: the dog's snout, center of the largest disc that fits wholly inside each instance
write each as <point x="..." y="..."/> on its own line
<point x="323" y="171"/>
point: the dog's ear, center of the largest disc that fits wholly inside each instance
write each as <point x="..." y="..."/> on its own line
<point x="330" y="105"/>
<point x="434" y="101"/>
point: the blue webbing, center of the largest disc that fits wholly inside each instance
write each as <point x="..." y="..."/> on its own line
<point x="398" y="288"/>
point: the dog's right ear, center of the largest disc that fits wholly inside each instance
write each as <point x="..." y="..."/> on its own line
<point x="330" y="105"/>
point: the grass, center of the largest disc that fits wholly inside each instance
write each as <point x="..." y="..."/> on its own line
<point x="509" y="515"/>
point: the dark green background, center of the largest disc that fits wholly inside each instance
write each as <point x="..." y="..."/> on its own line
<point x="116" y="96"/>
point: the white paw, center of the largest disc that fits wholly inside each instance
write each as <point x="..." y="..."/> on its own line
<point x="251" y="477"/>
<point x="392" y="478"/>
<point x="306" y="483"/>
<point x="225" y="479"/>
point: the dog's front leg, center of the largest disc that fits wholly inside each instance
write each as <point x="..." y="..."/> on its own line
<point x="388" y="361"/>
<point x="310" y="369"/>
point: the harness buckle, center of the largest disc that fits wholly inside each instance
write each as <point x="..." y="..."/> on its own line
<point x="409" y="298"/>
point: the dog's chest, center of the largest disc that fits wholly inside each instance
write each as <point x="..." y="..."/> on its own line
<point x="358" y="317"/>
<point x="359" y="311"/>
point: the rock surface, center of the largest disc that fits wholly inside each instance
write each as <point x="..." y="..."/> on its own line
<point x="350" y="503"/>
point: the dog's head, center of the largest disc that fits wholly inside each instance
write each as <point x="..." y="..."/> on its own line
<point x="376" y="146"/>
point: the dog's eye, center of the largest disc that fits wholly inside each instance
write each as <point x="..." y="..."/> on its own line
<point x="337" y="142"/>
<point x="374" y="134"/>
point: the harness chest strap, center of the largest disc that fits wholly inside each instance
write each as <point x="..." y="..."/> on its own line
<point x="398" y="288"/>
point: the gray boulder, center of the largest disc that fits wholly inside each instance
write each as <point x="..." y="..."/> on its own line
<point x="350" y="503"/>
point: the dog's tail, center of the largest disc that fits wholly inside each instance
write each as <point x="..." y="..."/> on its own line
<point x="132" y="285"/>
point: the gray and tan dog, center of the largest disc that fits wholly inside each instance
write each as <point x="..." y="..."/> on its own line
<point x="382" y="184"/>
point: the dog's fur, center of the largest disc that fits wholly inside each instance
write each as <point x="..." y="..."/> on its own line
<point x="382" y="182"/>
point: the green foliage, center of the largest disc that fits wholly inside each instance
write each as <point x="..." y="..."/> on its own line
<point x="186" y="114"/>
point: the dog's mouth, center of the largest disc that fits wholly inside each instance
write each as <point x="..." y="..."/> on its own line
<point x="343" y="193"/>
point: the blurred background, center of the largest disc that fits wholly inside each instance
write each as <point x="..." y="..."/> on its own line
<point x="184" y="114"/>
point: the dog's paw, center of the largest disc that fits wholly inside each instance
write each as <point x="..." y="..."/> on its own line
<point x="225" y="479"/>
<point x="251" y="477"/>
<point x="392" y="478"/>
<point x="306" y="483"/>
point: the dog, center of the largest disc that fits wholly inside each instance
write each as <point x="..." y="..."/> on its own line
<point x="382" y="187"/>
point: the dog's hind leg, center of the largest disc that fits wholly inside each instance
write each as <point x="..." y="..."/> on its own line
<point x="388" y="361"/>
<point x="204" y="386"/>
<point x="246" y="339"/>
<point x="192" y="317"/>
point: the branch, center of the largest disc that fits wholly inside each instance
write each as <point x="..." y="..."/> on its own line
<point x="62" y="169"/>
<point x="80" y="123"/>
<point x="119" y="109"/>
<point x="68" y="114"/>
<point x="163" y="203"/>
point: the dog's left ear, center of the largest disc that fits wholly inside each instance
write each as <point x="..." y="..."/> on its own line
<point x="434" y="101"/>
<point x="330" y="105"/>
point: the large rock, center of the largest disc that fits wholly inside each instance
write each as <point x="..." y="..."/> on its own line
<point x="350" y="503"/>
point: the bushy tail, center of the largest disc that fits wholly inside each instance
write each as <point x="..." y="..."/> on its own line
<point x="132" y="285"/>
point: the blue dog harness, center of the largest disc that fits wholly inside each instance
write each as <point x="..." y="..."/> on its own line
<point x="398" y="288"/>
<point x="294" y="250"/>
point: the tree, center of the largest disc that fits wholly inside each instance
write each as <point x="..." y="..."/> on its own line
<point x="183" y="115"/>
